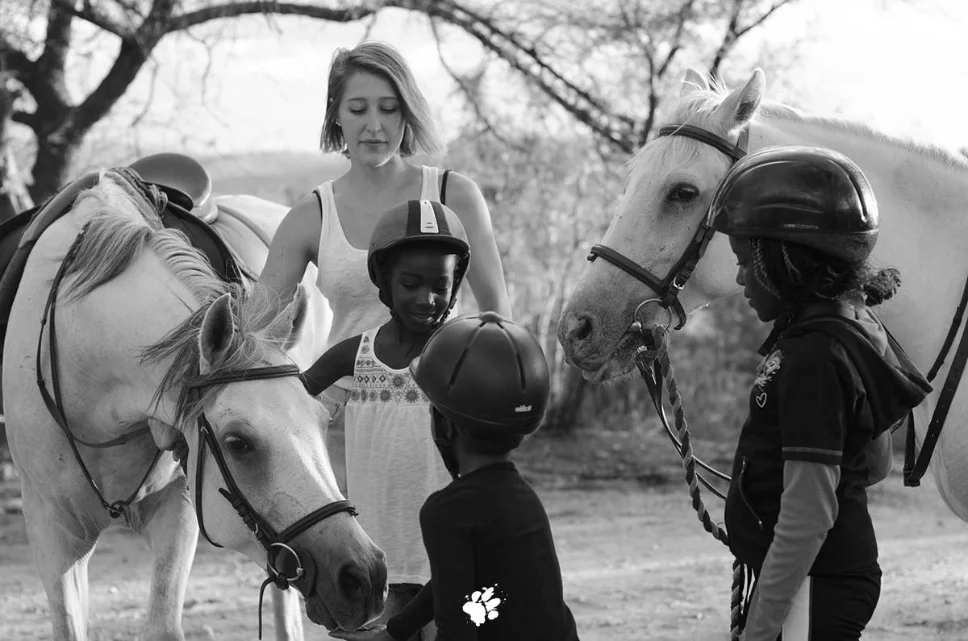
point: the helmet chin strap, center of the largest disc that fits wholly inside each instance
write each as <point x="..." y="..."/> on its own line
<point x="445" y="441"/>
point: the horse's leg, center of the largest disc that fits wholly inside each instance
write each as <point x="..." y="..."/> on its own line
<point x="287" y="614"/>
<point x="61" y="553"/>
<point x="168" y="523"/>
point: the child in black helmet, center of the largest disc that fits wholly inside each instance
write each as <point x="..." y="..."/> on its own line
<point x="802" y="222"/>
<point x="495" y="572"/>
<point x="417" y="258"/>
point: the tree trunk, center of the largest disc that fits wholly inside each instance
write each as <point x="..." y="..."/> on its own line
<point x="562" y="416"/>
<point x="55" y="153"/>
<point x="14" y="197"/>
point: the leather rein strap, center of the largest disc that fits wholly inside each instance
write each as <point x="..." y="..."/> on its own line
<point x="916" y="463"/>
<point x="668" y="288"/>
<point x="54" y="402"/>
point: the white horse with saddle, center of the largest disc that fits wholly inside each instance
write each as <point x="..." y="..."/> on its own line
<point x="659" y="261"/>
<point x="126" y="348"/>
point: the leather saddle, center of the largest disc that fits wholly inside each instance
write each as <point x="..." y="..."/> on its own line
<point x="190" y="209"/>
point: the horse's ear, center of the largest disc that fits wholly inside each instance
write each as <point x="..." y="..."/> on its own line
<point x="692" y="82"/>
<point x="218" y="329"/>
<point x="288" y="324"/>
<point x="739" y="107"/>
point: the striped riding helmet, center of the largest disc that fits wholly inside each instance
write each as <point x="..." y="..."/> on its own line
<point x="417" y="221"/>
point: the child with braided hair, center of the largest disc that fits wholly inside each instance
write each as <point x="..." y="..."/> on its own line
<point x="802" y="222"/>
<point x="417" y="259"/>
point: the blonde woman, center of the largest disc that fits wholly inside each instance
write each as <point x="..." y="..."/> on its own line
<point x="378" y="118"/>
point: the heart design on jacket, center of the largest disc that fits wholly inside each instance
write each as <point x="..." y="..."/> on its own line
<point x="761" y="399"/>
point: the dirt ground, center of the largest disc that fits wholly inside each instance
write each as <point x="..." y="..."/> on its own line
<point x="636" y="563"/>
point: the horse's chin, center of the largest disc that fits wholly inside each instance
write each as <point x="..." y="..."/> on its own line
<point x="619" y="366"/>
<point x="319" y="614"/>
<point x="616" y="370"/>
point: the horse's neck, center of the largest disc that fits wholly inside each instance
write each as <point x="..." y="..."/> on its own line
<point x="922" y="200"/>
<point x="928" y="181"/>
<point x="102" y="336"/>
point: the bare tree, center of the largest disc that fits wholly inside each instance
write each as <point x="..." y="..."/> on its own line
<point x="547" y="43"/>
<point x="607" y="64"/>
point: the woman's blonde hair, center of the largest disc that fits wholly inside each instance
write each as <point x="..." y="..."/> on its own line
<point x="384" y="61"/>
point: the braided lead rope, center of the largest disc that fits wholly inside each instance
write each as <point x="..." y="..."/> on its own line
<point x="661" y="356"/>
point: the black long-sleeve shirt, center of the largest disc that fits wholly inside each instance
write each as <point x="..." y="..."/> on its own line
<point x="488" y="529"/>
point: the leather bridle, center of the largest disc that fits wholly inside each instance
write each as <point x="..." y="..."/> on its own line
<point x="667" y="289"/>
<point x="667" y="296"/>
<point x="284" y="565"/>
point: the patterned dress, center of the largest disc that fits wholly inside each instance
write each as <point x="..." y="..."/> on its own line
<point x="392" y="464"/>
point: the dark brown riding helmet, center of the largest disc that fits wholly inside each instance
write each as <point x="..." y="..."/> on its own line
<point x="807" y="195"/>
<point x="486" y="374"/>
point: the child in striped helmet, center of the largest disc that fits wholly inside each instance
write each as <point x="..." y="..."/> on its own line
<point x="417" y="258"/>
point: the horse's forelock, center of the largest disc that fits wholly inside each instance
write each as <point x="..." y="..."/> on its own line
<point x="252" y="345"/>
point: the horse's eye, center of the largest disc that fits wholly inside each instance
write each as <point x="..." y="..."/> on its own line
<point x="237" y="445"/>
<point x="683" y="193"/>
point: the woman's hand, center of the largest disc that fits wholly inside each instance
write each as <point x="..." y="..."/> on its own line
<point x="375" y="632"/>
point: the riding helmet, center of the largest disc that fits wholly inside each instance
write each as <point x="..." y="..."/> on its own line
<point x="487" y="374"/>
<point x="807" y="195"/>
<point x="417" y="221"/>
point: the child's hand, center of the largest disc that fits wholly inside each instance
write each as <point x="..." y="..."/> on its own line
<point x="374" y="632"/>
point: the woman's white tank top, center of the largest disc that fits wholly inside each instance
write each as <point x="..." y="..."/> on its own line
<point x="342" y="275"/>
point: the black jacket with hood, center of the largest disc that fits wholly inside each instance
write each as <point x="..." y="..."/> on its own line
<point x="830" y="386"/>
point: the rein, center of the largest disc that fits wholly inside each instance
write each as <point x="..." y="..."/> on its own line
<point x="55" y="404"/>
<point x="915" y="465"/>
<point x="284" y="565"/>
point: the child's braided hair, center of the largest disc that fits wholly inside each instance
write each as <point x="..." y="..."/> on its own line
<point x="796" y="273"/>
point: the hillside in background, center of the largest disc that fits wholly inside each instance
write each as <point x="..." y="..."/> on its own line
<point x="282" y="177"/>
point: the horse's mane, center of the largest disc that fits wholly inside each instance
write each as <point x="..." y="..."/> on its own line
<point x="697" y="109"/>
<point x="123" y="223"/>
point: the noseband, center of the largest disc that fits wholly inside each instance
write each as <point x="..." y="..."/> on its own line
<point x="667" y="289"/>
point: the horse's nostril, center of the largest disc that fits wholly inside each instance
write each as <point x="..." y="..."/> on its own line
<point x="353" y="584"/>
<point x="583" y="328"/>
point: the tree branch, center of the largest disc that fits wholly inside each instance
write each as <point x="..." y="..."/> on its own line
<point x="12" y="59"/>
<point x="728" y="41"/>
<point x="617" y="129"/>
<point x="734" y="31"/>
<point x="472" y="95"/>
<point x="24" y="118"/>
<point x="235" y="9"/>
<point x="132" y="56"/>
<point x="46" y="83"/>
<point x="89" y="14"/>
<point x="769" y="12"/>
<point x="684" y="14"/>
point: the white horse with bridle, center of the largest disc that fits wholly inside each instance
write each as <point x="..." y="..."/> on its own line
<point x="657" y="257"/>
<point x="122" y="333"/>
